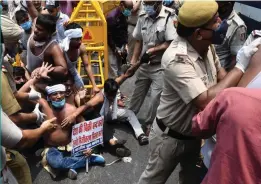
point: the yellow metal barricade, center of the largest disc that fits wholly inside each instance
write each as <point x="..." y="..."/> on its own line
<point x="91" y="16"/>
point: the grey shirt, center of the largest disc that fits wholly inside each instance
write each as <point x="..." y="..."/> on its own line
<point x="155" y="32"/>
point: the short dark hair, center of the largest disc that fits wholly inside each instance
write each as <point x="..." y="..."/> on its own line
<point x="111" y="86"/>
<point x="73" y="25"/>
<point x="184" y="31"/>
<point x="20" y="14"/>
<point x="18" y="71"/>
<point x="48" y="22"/>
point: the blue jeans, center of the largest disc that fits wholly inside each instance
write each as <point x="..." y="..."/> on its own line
<point x="63" y="160"/>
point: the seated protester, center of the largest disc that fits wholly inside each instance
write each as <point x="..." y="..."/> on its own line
<point x="13" y="137"/>
<point x="56" y="106"/>
<point x="73" y="49"/>
<point x="19" y="76"/>
<point x="72" y="97"/>
<point x="22" y="19"/>
<point x="108" y="100"/>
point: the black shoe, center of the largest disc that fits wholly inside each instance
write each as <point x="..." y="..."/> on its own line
<point x="143" y="139"/>
<point x="120" y="142"/>
<point x="123" y="152"/>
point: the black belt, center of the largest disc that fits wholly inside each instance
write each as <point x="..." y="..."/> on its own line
<point x="154" y="63"/>
<point x="132" y="24"/>
<point x="173" y="133"/>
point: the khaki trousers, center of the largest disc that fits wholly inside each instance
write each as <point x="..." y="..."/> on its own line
<point x="165" y="153"/>
<point x="19" y="167"/>
<point x="147" y="77"/>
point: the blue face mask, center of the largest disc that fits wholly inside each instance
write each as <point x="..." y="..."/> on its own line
<point x="149" y="9"/>
<point x="27" y="25"/>
<point x="219" y="34"/>
<point x="59" y="104"/>
<point x="126" y="12"/>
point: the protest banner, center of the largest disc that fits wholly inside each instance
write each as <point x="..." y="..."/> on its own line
<point x="87" y="134"/>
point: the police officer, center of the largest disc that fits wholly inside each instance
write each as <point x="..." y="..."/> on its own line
<point x="192" y="77"/>
<point x="235" y="37"/>
<point x="153" y="33"/>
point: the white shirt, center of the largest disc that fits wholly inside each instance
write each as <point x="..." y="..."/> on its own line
<point x="59" y="26"/>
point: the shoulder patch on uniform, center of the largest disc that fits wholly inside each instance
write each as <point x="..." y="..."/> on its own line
<point x="180" y="59"/>
<point x="256" y="33"/>
<point x="182" y="48"/>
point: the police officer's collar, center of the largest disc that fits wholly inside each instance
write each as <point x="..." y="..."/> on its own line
<point x="193" y="54"/>
<point x="231" y="16"/>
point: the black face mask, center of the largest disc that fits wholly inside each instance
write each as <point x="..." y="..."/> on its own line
<point x="219" y="34"/>
<point x="18" y="86"/>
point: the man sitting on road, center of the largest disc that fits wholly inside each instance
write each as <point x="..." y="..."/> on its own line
<point x="108" y="100"/>
<point x="56" y="106"/>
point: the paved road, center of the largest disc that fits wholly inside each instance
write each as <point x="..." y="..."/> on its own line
<point x="117" y="173"/>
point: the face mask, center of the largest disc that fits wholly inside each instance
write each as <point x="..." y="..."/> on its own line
<point x="18" y="86"/>
<point x="126" y="12"/>
<point x="220" y="33"/>
<point x="27" y="25"/>
<point x="149" y="9"/>
<point x="59" y="104"/>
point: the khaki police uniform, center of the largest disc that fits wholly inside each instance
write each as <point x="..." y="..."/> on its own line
<point x="186" y="76"/>
<point x="152" y="33"/>
<point x="234" y="41"/>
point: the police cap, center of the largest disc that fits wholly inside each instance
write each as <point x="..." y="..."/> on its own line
<point x="197" y="13"/>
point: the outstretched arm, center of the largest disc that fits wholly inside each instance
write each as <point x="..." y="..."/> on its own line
<point x="96" y="100"/>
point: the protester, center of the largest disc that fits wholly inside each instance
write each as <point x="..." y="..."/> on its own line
<point x="154" y="32"/>
<point x="235" y="158"/>
<point x="118" y="36"/>
<point x="73" y="48"/>
<point x="42" y="47"/>
<point x="19" y="76"/>
<point x="192" y="78"/>
<point x="56" y="106"/>
<point x="53" y="8"/>
<point x="22" y="19"/>
<point x="235" y="36"/>
<point x="107" y="100"/>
